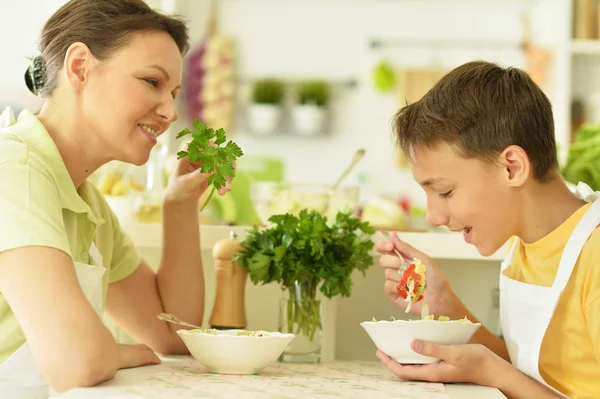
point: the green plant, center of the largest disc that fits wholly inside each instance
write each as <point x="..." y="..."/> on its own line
<point x="384" y="77"/>
<point x="583" y="160"/>
<point x="215" y="159"/>
<point x="267" y="91"/>
<point x="304" y="254"/>
<point x="314" y="92"/>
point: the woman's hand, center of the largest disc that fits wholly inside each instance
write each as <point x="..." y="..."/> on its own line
<point x="188" y="183"/>
<point x="438" y="294"/>
<point x="470" y="363"/>
<point x="136" y="356"/>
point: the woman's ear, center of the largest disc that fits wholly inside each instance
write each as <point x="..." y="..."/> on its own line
<point x="78" y="62"/>
<point x="516" y="164"/>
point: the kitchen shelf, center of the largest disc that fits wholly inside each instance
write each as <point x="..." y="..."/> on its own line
<point x="436" y="245"/>
<point x="445" y="43"/>
<point x="585" y="47"/>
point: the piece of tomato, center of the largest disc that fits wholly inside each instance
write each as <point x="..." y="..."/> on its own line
<point x="409" y="274"/>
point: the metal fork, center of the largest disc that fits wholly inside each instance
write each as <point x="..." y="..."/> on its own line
<point x="405" y="262"/>
<point x="402" y="268"/>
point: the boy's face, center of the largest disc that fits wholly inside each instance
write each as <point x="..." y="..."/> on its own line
<point x="466" y="195"/>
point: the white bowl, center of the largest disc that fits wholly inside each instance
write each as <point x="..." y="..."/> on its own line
<point x="271" y="198"/>
<point x="225" y="352"/>
<point x="394" y="338"/>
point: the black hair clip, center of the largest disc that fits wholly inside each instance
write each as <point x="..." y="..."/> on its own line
<point x="35" y="76"/>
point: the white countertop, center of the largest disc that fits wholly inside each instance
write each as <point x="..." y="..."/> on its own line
<point x="436" y="245"/>
<point x="184" y="378"/>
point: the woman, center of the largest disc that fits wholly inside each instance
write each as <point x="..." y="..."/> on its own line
<point x="109" y="71"/>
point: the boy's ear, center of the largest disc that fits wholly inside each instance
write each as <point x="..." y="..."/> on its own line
<point x="516" y="164"/>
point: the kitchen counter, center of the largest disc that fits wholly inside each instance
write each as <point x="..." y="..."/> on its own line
<point x="184" y="378"/>
<point x="472" y="276"/>
<point x="436" y="245"/>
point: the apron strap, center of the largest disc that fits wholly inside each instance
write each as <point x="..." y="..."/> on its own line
<point x="509" y="256"/>
<point x="95" y="255"/>
<point x="570" y="255"/>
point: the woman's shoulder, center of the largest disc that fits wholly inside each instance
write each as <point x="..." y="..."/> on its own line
<point x="14" y="143"/>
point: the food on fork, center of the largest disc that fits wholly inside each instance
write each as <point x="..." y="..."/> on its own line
<point x="412" y="283"/>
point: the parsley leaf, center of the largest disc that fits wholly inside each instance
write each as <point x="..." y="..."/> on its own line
<point x="308" y="249"/>
<point x="305" y="253"/>
<point x="207" y="148"/>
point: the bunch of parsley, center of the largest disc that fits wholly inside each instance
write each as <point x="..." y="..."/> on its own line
<point x="304" y="254"/>
<point x="215" y="159"/>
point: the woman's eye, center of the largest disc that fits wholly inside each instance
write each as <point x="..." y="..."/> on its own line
<point x="446" y="194"/>
<point x="152" y="82"/>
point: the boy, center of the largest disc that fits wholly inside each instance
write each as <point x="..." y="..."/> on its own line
<point x="481" y="144"/>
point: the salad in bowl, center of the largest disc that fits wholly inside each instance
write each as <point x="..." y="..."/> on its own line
<point x="394" y="337"/>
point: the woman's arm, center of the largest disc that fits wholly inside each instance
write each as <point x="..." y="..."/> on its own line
<point x="70" y="345"/>
<point x="181" y="275"/>
<point x="178" y="286"/>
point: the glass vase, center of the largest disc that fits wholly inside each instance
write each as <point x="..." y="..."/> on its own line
<point x="301" y="314"/>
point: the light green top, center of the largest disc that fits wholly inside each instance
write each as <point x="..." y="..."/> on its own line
<point x="40" y="206"/>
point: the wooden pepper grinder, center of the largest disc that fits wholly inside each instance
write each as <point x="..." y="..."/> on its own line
<point x="229" y="309"/>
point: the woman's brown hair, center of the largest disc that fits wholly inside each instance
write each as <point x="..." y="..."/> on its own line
<point x="104" y="26"/>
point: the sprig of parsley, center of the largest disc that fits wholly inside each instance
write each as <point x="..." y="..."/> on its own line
<point x="305" y="254"/>
<point x="308" y="249"/>
<point x="215" y="158"/>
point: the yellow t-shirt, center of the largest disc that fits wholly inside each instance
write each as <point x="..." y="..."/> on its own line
<point x="570" y="353"/>
<point x="40" y="206"/>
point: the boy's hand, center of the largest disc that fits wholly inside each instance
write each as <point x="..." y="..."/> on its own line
<point x="438" y="294"/>
<point x="470" y="363"/>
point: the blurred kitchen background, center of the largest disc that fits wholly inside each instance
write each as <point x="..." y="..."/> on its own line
<point x="301" y="85"/>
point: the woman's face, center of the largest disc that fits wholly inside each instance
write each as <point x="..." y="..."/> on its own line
<point x="129" y="99"/>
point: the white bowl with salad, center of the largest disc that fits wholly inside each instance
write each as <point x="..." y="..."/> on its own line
<point x="394" y="337"/>
<point x="235" y="351"/>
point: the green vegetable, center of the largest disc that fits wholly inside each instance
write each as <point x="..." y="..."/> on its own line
<point x="267" y="91"/>
<point x="210" y="331"/>
<point x="206" y="148"/>
<point x="384" y="77"/>
<point x="314" y="92"/>
<point x="583" y="160"/>
<point x="304" y="254"/>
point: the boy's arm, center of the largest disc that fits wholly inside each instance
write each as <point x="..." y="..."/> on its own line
<point x="483" y="336"/>
<point x="514" y="384"/>
<point x="469" y="363"/>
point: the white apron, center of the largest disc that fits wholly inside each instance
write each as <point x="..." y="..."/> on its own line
<point x="526" y="309"/>
<point x="19" y="378"/>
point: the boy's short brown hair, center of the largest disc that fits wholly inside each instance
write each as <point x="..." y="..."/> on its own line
<point x="480" y="109"/>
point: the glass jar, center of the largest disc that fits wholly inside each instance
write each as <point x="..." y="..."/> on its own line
<point x="147" y="205"/>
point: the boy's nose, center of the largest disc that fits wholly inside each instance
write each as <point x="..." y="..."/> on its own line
<point x="436" y="217"/>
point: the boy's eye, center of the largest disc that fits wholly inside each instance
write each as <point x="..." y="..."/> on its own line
<point x="446" y="194"/>
<point x="152" y="82"/>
